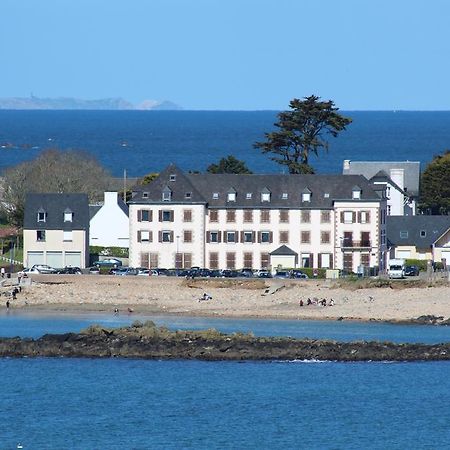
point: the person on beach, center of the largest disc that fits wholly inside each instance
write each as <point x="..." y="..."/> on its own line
<point x="331" y="302"/>
<point x="205" y="297"/>
<point x="2" y="270"/>
<point x="7" y="304"/>
<point x="309" y="302"/>
<point x="301" y="303"/>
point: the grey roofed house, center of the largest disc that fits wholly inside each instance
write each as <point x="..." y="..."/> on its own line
<point x="54" y="206"/>
<point x="285" y="190"/>
<point x="95" y="208"/>
<point x="284" y="250"/>
<point x="419" y="231"/>
<point x="371" y="169"/>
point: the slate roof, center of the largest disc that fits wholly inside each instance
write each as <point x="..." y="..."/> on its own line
<point x="55" y="205"/>
<point x="371" y="168"/>
<point x="284" y="250"/>
<point x="203" y="187"/>
<point x="95" y="208"/>
<point x="434" y="227"/>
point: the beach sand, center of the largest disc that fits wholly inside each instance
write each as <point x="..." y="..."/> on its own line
<point x="234" y="297"/>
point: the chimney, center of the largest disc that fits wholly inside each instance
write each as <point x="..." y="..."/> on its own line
<point x="346" y="165"/>
<point x="110" y="198"/>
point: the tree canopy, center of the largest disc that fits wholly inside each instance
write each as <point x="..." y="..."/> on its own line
<point x="302" y="131"/>
<point x="53" y="171"/>
<point x="230" y="164"/>
<point x="435" y="185"/>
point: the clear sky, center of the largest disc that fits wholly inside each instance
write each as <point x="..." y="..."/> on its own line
<point x="230" y="54"/>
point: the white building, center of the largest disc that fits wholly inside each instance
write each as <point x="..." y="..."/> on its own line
<point x="237" y="221"/>
<point x="109" y="224"/>
<point x="399" y="179"/>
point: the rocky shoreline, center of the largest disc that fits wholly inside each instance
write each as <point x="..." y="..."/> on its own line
<point x="146" y="341"/>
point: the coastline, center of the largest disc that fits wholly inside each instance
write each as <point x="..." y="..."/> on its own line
<point x="245" y="299"/>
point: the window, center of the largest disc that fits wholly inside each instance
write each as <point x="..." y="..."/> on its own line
<point x="67" y="236"/>
<point x="166" y="216"/>
<point x="307" y="259"/>
<point x="325" y="237"/>
<point x="265" y="216"/>
<point x="365" y="259"/>
<point x="265" y="237"/>
<point x="187" y="195"/>
<point x="388" y="191"/>
<point x="356" y="194"/>
<point x="324" y="260"/>
<point x="166" y="196"/>
<point x="231" y="215"/>
<point x="248" y="196"/>
<point x="231" y="197"/>
<point x="284" y="237"/>
<point x="145" y="195"/>
<point x="231" y="237"/>
<point x="326" y="195"/>
<point x="325" y="217"/>
<point x="215" y="195"/>
<point x="214" y="236"/>
<point x="264" y="260"/>
<point x="284" y="196"/>
<point x="213" y="260"/>
<point x="348" y="217"/>
<point x="388" y="210"/>
<point x="166" y="236"/>
<point x="364" y="217"/>
<point x="153" y="260"/>
<point x="284" y="216"/>
<point x="365" y="239"/>
<point x="248" y="216"/>
<point x="403" y="235"/>
<point x="423" y="233"/>
<point x="68" y="215"/>
<point x="144" y="259"/>
<point x="306" y="196"/>
<point x="40" y="235"/>
<point x="231" y="260"/>
<point x="305" y="216"/>
<point x="247" y="237"/>
<point x="41" y="216"/>
<point x="173" y="177"/>
<point x="213" y="215"/>
<point x="187" y="215"/>
<point x="248" y="260"/>
<point x="305" y="237"/>
<point x="187" y="236"/>
<point x="144" y="215"/>
<point x="144" y="236"/>
<point x="265" y="196"/>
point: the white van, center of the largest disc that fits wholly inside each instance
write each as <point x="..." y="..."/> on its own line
<point x="396" y="268"/>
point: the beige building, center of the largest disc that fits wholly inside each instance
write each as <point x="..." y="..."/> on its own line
<point x="56" y="230"/>
<point x="239" y="221"/>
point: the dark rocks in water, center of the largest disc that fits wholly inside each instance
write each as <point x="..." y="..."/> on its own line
<point x="149" y="342"/>
<point x="427" y="319"/>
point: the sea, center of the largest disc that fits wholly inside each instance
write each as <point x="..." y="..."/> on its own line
<point x="57" y="403"/>
<point x="142" y="142"/>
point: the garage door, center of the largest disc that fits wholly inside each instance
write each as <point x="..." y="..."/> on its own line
<point x="73" y="259"/>
<point x="35" y="258"/>
<point x="403" y="254"/>
<point x="446" y="255"/>
<point x="55" y="259"/>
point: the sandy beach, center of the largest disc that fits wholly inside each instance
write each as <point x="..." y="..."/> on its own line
<point x="233" y="297"/>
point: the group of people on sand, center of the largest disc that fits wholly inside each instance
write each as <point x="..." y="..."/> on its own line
<point x="317" y="302"/>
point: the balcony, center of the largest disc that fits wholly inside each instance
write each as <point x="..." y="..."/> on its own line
<point x="349" y="243"/>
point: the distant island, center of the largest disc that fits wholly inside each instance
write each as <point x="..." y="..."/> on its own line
<point x="59" y="103"/>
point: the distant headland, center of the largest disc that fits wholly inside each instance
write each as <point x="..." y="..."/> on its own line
<point x="64" y="103"/>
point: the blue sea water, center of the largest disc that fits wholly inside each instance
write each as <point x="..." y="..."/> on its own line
<point x="146" y="141"/>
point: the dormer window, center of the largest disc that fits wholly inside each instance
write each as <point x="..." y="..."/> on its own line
<point x="265" y="195"/>
<point x="173" y="177"/>
<point x="356" y="193"/>
<point x="306" y="195"/>
<point x="188" y="195"/>
<point x="215" y="195"/>
<point x="231" y="195"/>
<point x="41" y="216"/>
<point x="166" y="194"/>
<point x="248" y="195"/>
<point x="68" y="215"/>
<point x="145" y="195"/>
<point x="284" y="196"/>
<point x="326" y="195"/>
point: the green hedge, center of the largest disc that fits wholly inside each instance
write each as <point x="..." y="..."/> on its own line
<point x="118" y="252"/>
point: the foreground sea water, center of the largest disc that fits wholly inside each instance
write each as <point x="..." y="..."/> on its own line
<point x="134" y="404"/>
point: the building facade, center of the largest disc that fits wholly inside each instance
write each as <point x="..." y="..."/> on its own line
<point x="231" y="221"/>
<point x="56" y="230"/>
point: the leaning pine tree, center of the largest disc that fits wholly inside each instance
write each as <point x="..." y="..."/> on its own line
<point x="302" y="131"/>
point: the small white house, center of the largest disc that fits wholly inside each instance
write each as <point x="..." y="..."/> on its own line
<point x="109" y="224"/>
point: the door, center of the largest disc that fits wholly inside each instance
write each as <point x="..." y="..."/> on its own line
<point x="348" y="262"/>
<point x="55" y="259"/>
<point x="73" y="259"/>
<point x="35" y="258"/>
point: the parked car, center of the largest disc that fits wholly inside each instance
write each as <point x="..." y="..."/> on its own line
<point x="227" y="273"/>
<point x="264" y="274"/>
<point x="70" y="271"/>
<point x="282" y="274"/>
<point x="215" y="273"/>
<point x="27" y="271"/>
<point x="247" y="273"/>
<point x="43" y="268"/>
<point x="295" y="273"/>
<point x="110" y="262"/>
<point x="411" y="271"/>
<point x="94" y="270"/>
<point x="126" y="271"/>
<point x="143" y="272"/>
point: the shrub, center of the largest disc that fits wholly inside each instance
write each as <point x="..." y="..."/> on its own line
<point x="118" y="252"/>
<point x="420" y="263"/>
<point x="310" y="272"/>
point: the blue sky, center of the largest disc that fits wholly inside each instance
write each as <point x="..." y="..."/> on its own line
<point x="230" y="54"/>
